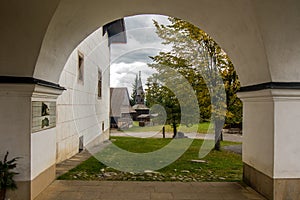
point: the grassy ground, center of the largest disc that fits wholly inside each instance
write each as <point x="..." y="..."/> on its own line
<point x="219" y="165"/>
<point x="202" y="128"/>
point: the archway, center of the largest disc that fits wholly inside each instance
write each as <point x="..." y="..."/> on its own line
<point x="260" y="49"/>
<point x="237" y="33"/>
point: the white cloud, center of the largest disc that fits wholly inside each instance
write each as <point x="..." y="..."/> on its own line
<point x="123" y="74"/>
<point x="130" y="58"/>
<point x="141" y="37"/>
<point x="139" y="21"/>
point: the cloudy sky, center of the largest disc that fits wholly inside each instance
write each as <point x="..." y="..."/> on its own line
<point x="130" y="58"/>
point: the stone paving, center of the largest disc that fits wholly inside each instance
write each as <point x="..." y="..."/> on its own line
<point x="102" y="190"/>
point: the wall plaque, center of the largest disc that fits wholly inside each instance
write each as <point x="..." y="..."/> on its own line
<point x="43" y="115"/>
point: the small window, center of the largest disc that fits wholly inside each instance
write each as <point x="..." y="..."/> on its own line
<point x="80" y="67"/>
<point x="102" y="126"/>
<point x="80" y="144"/>
<point x="100" y="83"/>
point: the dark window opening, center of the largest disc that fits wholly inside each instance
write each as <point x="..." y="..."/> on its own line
<point x="81" y="143"/>
<point x="80" y="67"/>
<point x="100" y="83"/>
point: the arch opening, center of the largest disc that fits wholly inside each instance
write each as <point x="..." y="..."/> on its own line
<point x="74" y="28"/>
<point x="77" y="85"/>
<point x="263" y="56"/>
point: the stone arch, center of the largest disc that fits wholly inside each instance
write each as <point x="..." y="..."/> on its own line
<point x="233" y="27"/>
<point x="261" y="38"/>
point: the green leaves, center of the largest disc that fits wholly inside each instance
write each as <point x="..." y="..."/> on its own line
<point x="203" y="63"/>
<point x="134" y="91"/>
<point x="6" y="173"/>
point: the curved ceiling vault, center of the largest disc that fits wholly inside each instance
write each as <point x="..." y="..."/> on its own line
<point x="259" y="36"/>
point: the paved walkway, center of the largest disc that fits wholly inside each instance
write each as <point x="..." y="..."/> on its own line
<point x="234" y="148"/>
<point x="226" y="136"/>
<point x="101" y="190"/>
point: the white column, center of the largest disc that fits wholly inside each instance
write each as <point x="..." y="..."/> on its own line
<point x="271" y="136"/>
<point x="37" y="150"/>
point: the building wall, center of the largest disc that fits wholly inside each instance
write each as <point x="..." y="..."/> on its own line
<point x="270" y="142"/>
<point x="80" y="112"/>
<point x="260" y="134"/>
<point x="35" y="147"/>
<point x="286" y="142"/>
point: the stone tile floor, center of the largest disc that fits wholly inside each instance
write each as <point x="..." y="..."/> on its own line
<point x="104" y="190"/>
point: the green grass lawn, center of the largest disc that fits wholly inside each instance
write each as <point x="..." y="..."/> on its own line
<point x="202" y="128"/>
<point x="219" y="166"/>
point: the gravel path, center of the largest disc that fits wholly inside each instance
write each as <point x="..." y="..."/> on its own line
<point x="226" y="137"/>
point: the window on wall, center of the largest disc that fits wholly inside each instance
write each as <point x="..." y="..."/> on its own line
<point x="80" y="67"/>
<point x="99" y="83"/>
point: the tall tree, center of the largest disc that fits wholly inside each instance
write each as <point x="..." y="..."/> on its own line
<point x="206" y="66"/>
<point x="171" y="91"/>
<point x="164" y="61"/>
<point x="159" y="94"/>
<point x="134" y="91"/>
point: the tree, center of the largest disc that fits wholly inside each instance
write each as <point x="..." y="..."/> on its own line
<point x="206" y="66"/>
<point x="234" y="104"/>
<point x="165" y="60"/>
<point x="163" y="96"/>
<point x="134" y="91"/>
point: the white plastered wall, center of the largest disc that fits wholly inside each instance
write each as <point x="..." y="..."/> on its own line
<point x="287" y="134"/>
<point x="271" y="132"/>
<point x="42" y="142"/>
<point x="258" y="139"/>
<point x="80" y="112"/>
<point x="42" y="160"/>
<point x="15" y="101"/>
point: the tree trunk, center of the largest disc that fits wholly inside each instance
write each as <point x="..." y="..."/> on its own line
<point x="174" y="130"/>
<point x="218" y="130"/>
<point x="2" y="194"/>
